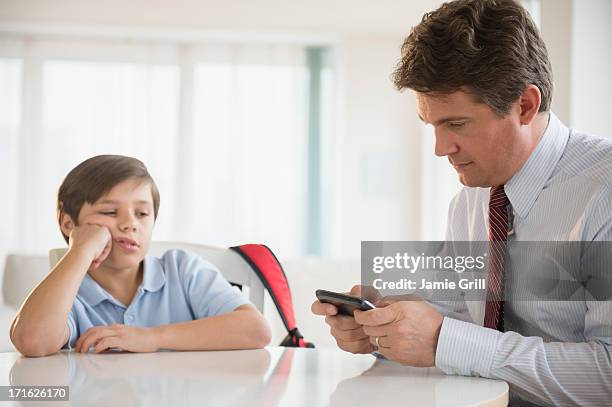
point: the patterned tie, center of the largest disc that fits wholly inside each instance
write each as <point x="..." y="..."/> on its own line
<point x="498" y="236"/>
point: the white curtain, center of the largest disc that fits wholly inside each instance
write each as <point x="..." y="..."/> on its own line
<point x="222" y="129"/>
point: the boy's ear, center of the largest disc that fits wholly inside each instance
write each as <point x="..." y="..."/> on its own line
<point x="66" y="224"/>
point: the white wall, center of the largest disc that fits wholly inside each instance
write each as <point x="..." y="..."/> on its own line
<point x="274" y="16"/>
<point x="380" y="151"/>
<point x="592" y="66"/>
<point x="556" y="28"/>
<point x="577" y="34"/>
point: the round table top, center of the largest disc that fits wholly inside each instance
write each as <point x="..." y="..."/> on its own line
<point x="264" y="377"/>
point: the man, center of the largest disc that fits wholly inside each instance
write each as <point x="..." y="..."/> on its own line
<point x="483" y="79"/>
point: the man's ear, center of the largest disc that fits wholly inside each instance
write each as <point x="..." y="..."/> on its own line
<point x="531" y="98"/>
<point x="66" y="224"/>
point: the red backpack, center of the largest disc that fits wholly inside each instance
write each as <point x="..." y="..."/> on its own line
<point x="267" y="267"/>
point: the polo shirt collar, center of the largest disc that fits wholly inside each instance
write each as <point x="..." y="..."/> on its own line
<point x="92" y="293"/>
<point x="153" y="280"/>
<point x="525" y="186"/>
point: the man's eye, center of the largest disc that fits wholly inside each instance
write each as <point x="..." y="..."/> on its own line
<point x="455" y="125"/>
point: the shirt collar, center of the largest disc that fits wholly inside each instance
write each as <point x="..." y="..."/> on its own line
<point x="525" y="186"/>
<point x="92" y="292"/>
<point x="153" y="280"/>
<point x="154" y="277"/>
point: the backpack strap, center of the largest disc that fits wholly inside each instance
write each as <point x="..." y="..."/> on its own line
<point x="269" y="270"/>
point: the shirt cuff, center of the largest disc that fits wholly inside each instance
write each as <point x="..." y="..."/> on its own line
<point x="465" y="348"/>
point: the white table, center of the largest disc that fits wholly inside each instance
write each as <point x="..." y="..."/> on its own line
<point x="266" y="377"/>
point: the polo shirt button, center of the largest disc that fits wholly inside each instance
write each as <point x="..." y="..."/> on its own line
<point x="129" y="317"/>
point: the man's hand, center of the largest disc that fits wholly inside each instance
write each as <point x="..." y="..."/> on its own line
<point x="95" y="240"/>
<point x="349" y="334"/>
<point x="128" y="338"/>
<point x="407" y="331"/>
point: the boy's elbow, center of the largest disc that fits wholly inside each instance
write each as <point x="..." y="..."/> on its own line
<point x="36" y="352"/>
<point x="33" y="348"/>
<point x="264" y="334"/>
<point x="260" y="333"/>
<point x="31" y="344"/>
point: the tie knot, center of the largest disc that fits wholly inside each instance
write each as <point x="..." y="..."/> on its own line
<point x="498" y="198"/>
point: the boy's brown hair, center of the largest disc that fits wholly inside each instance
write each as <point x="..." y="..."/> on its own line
<point x="94" y="177"/>
<point x="491" y="48"/>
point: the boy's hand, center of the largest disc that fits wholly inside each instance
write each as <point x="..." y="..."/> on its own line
<point x="95" y="240"/>
<point x="128" y="338"/>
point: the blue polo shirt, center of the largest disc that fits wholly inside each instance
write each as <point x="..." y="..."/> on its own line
<point x="177" y="287"/>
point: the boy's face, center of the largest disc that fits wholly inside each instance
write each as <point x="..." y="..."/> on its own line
<point x="127" y="211"/>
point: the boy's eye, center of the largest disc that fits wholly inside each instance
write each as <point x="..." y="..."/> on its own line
<point x="108" y="213"/>
<point x="143" y="213"/>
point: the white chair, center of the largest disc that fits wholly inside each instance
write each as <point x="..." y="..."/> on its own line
<point x="21" y="274"/>
<point x="229" y="263"/>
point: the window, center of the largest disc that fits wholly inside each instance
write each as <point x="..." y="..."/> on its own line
<point x="10" y="106"/>
<point x="223" y="129"/>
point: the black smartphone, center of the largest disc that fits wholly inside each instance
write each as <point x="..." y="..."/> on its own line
<point x="346" y="304"/>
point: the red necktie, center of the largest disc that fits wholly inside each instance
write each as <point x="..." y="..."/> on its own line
<point x="498" y="236"/>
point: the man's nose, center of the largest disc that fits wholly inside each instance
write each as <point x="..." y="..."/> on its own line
<point x="445" y="144"/>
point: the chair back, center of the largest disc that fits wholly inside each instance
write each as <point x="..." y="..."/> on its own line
<point x="21" y="274"/>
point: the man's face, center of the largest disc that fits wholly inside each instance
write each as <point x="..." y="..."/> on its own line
<point x="484" y="149"/>
<point x="127" y="211"/>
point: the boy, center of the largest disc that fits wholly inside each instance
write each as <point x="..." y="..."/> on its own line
<point x="105" y="294"/>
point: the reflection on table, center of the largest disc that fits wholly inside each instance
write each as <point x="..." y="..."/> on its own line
<point x="265" y="377"/>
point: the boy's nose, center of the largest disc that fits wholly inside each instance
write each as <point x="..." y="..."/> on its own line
<point x="126" y="227"/>
<point x="127" y="224"/>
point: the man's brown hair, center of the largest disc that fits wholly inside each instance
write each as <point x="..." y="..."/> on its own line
<point x="490" y="48"/>
<point x="94" y="177"/>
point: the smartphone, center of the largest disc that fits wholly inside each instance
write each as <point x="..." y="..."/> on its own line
<point x="346" y="304"/>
